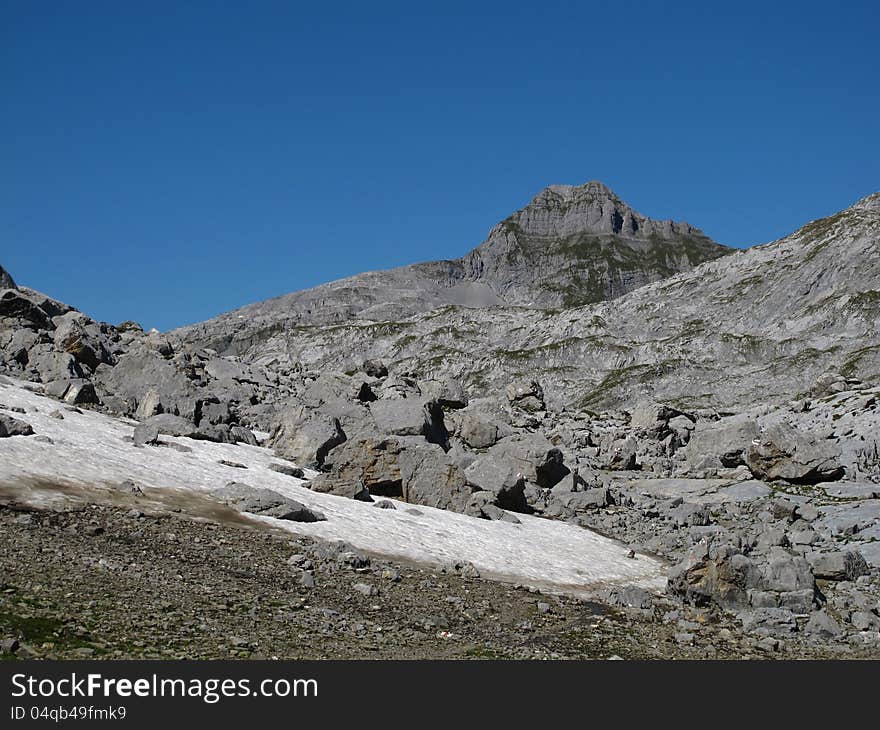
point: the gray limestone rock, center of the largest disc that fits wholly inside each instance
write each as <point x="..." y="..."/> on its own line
<point x="792" y="455"/>
<point x="265" y="502"/>
<point x="10" y="426"/>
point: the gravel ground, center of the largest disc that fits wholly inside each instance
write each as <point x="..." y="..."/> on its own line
<point x="133" y="581"/>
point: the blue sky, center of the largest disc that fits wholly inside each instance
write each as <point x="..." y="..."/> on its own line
<point x="166" y="162"/>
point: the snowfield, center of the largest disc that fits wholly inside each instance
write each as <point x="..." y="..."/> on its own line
<point x="91" y="449"/>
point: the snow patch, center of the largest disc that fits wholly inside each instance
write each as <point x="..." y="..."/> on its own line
<point x="93" y="449"/>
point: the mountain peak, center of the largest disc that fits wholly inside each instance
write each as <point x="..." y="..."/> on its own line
<point x="594" y="190"/>
<point x="592" y="208"/>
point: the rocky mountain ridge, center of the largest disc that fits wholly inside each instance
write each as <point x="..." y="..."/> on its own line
<point x="570" y="245"/>
<point x="762" y="323"/>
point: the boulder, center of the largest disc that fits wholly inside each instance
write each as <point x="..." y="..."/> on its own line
<point x="769" y="621"/>
<point x="792" y="455"/>
<point x="410" y="417"/>
<point x="532" y="456"/>
<point x="305" y="437"/>
<point x="141" y="373"/>
<point x="171" y="425"/>
<point x="619" y="454"/>
<point x="785" y="572"/>
<point x="526" y="394"/>
<point x="78" y="336"/>
<point x="10" y="426"/>
<point x="221" y="368"/>
<point x="724" y="441"/>
<point x="146" y="434"/>
<point x="483" y="506"/>
<point x="265" y="502"/>
<point x="150" y="405"/>
<point x="288" y="470"/>
<point x="18" y="306"/>
<point x="477" y="432"/>
<point x="80" y="392"/>
<point x="242" y="435"/>
<point x="359" y="465"/>
<point x="429" y="477"/>
<point x="447" y="393"/>
<point x="648" y="415"/>
<point x="845" y="565"/>
<point x="734" y="581"/>
<point x="586" y="501"/>
<point x="52" y="365"/>
<point x="500" y="479"/>
<point x="213" y="411"/>
<point x="822" y="625"/>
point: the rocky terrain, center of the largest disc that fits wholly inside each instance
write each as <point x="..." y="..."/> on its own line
<point x="112" y="582"/>
<point x="715" y="411"/>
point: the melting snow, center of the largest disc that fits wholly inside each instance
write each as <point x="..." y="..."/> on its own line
<point x="91" y="449"/>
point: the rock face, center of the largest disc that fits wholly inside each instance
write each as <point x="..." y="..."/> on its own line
<point x="575" y="245"/>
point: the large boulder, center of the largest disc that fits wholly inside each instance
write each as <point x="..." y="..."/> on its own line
<point x="375" y="368"/>
<point x="477" y="431"/>
<point x="265" y="502"/>
<point x="362" y="464"/>
<point x="410" y="417"/>
<point x="724" y="441"/>
<point x="701" y="579"/>
<point x="501" y="479"/>
<point x="10" y="426"/>
<point x="792" y="455"/>
<point x="224" y="369"/>
<point x="735" y="581"/>
<point x="843" y="565"/>
<point x="78" y="336"/>
<point x="170" y="425"/>
<point x="619" y="454"/>
<point x="533" y="456"/>
<point x="143" y="373"/>
<point x="447" y="393"/>
<point x="17" y="305"/>
<point x="51" y="364"/>
<point x="526" y="394"/>
<point x="306" y="437"/>
<point x="79" y="391"/>
<point x="648" y="415"/>
<point x="429" y="477"/>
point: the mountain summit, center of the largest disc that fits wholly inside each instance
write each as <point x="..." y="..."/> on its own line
<point x="566" y="210"/>
<point x="571" y="245"/>
<point x="575" y="245"/>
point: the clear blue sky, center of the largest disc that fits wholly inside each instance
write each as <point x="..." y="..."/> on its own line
<point x="167" y="161"/>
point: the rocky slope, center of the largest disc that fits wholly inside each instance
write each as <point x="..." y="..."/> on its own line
<point x="569" y="246"/>
<point x="760" y="324"/>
